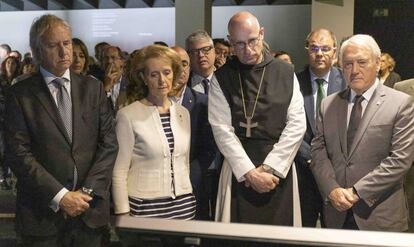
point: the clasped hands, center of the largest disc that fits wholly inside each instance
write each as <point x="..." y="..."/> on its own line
<point x="260" y="180"/>
<point x="343" y="199"/>
<point x="75" y="203"/>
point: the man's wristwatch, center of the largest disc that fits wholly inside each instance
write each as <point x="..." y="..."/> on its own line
<point x="88" y="191"/>
<point x="267" y="168"/>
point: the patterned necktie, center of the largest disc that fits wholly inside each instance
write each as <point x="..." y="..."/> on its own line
<point x="320" y="94"/>
<point x="354" y="120"/>
<point x="205" y="85"/>
<point x="64" y="105"/>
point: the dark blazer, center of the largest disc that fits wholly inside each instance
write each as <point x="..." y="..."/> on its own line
<point x="392" y="78"/>
<point x="311" y="201"/>
<point x="202" y="149"/>
<point x="380" y="156"/>
<point x="39" y="153"/>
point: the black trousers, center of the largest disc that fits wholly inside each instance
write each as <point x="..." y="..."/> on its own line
<point x="350" y="223"/>
<point x="72" y="232"/>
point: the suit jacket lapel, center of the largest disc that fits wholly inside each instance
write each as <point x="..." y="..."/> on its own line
<point x="42" y="93"/>
<point x="77" y="104"/>
<point x="188" y="99"/>
<point x="335" y="81"/>
<point x="309" y="102"/>
<point x="373" y="105"/>
<point x="342" y="119"/>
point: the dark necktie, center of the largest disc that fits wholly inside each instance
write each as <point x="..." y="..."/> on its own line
<point x="320" y="94"/>
<point x="205" y="85"/>
<point x="354" y="120"/>
<point x="64" y="105"/>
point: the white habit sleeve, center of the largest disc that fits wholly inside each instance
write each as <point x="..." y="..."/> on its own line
<point x="219" y="116"/>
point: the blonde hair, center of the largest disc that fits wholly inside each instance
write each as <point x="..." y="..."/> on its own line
<point x="137" y="89"/>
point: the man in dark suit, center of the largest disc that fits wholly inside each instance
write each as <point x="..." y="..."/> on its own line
<point x="61" y="145"/>
<point x="319" y="79"/>
<point x="115" y="82"/>
<point x="364" y="146"/>
<point x="203" y="149"/>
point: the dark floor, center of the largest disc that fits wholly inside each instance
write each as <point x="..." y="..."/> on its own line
<point x="7" y="208"/>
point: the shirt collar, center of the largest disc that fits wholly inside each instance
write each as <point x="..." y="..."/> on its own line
<point x="325" y="77"/>
<point x="196" y="78"/>
<point x="49" y="77"/>
<point x="367" y="94"/>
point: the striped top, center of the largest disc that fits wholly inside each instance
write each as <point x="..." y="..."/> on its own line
<point x="180" y="207"/>
<point x="165" y="121"/>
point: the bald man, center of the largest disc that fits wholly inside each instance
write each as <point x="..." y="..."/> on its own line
<point x="202" y="149"/>
<point x="258" y="121"/>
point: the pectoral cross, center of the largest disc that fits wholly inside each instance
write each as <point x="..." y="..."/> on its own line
<point x="248" y="125"/>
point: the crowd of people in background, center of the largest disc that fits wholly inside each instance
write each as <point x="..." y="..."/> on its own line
<point x="221" y="129"/>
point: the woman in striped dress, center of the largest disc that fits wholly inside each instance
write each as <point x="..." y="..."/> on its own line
<point x="151" y="174"/>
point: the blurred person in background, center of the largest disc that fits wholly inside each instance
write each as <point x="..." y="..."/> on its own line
<point x="80" y="63"/>
<point x="222" y="48"/>
<point x="27" y="68"/>
<point x="10" y="69"/>
<point x="282" y="55"/>
<point x="387" y="75"/>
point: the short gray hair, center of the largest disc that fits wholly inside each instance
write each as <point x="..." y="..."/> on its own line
<point x="197" y="36"/>
<point x="39" y="27"/>
<point x="363" y="40"/>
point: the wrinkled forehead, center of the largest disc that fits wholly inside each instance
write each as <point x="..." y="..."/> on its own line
<point x="322" y="39"/>
<point x="354" y="51"/>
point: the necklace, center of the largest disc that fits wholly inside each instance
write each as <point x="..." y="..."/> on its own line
<point x="249" y="125"/>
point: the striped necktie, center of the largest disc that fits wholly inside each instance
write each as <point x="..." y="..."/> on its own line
<point x="64" y="105"/>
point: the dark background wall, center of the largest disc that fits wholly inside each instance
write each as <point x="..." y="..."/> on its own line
<point x="391" y="23"/>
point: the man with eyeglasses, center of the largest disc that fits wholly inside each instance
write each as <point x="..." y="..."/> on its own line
<point x="364" y="146"/>
<point x="202" y="148"/>
<point x="318" y="80"/>
<point x="200" y="47"/>
<point x="222" y="49"/>
<point x="257" y="116"/>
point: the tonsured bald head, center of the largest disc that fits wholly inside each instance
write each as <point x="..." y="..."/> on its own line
<point x="246" y="37"/>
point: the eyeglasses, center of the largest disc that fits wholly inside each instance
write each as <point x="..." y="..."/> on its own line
<point x="204" y="50"/>
<point x="316" y="49"/>
<point x="240" y="45"/>
<point x="362" y="63"/>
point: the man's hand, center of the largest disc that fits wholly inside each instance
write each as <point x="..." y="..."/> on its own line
<point x="74" y="203"/>
<point x="342" y="199"/>
<point x="111" y="77"/>
<point x="260" y="180"/>
<point x="355" y="197"/>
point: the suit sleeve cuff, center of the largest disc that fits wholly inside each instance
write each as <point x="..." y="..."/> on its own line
<point x="54" y="203"/>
